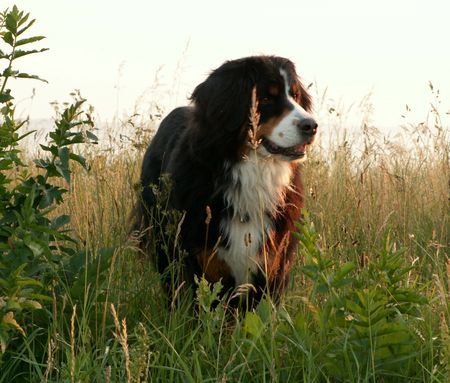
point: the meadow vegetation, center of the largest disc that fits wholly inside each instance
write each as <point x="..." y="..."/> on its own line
<point x="368" y="300"/>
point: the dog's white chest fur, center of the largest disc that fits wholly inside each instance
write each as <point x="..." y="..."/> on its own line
<point x="258" y="187"/>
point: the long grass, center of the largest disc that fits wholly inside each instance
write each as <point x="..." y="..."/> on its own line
<point x="114" y="324"/>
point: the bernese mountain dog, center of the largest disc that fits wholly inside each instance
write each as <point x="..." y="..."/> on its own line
<point x="232" y="160"/>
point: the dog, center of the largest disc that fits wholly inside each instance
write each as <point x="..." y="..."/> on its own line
<point x="232" y="159"/>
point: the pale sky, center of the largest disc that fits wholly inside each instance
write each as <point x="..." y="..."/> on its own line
<point x="113" y="50"/>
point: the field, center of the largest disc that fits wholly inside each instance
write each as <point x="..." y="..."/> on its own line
<point x="367" y="301"/>
<point x="111" y="322"/>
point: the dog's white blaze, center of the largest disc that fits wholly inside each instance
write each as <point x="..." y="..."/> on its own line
<point x="286" y="133"/>
<point x="258" y="186"/>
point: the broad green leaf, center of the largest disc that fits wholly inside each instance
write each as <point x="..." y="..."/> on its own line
<point x="409" y="296"/>
<point x="253" y="324"/>
<point x="29" y="40"/>
<point x="64" y="156"/>
<point x="60" y="221"/>
<point x="26" y="134"/>
<point x="20" y="53"/>
<point x="91" y="136"/>
<point x="42" y="163"/>
<point x="380" y="314"/>
<point x="28" y="282"/>
<point x="51" y="195"/>
<point x="32" y="304"/>
<point x="9" y="72"/>
<point x="300" y="323"/>
<point x="264" y="310"/>
<point x="20" y="31"/>
<point x="11" y="23"/>
<point x="355" y="308"/>
<point x="63" y="172"/>
<point x="52" y="149"/>
<point x="13" y="305"/>
<point x="399" y="336"/>
<point x="80" y="159"/>
<point x="34" y="246"/>
<point x="344" y="270"/>
<point x="5" y="96"/>
<point x="8" y="38"/>
<point x="5" y="164"/>
<point x="63" y="167"/>
<point x="22" y="20"/>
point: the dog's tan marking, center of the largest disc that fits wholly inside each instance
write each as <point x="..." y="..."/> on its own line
<point x="213" y="267"/>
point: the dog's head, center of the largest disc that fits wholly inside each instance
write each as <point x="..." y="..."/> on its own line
<point x="222" y="105"/>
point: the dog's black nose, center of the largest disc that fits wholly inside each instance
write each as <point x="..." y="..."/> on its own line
<point x="308" y="126"/>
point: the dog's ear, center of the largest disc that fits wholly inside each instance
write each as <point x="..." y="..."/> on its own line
<point x="223" y="99"/>
<point x="301" y="96"/>
<point x="304" y="98"/>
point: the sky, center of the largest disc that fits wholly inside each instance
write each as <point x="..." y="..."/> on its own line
<point x="126" y="53"/>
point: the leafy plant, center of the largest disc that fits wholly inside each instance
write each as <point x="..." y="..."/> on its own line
<point x="33" y="237"/>
<point x="368" y="318"/>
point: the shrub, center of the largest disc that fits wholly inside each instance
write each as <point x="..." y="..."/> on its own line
<point x="34" y="240"/>
<point x="369" y="318"/>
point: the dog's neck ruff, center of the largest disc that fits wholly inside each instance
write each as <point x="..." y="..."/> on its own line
<point x="257" y="189"/>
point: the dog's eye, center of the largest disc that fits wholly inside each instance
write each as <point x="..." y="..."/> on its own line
<point x="265" y="101"/>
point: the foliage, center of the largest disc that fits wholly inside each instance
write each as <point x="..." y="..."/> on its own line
<point x="368" y="318"/>
<point x="33" y="238"/>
